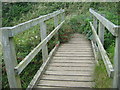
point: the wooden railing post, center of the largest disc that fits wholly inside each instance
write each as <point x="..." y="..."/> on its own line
<point x="95" y="26"/>
<point x="101" y="29"/>
<point x="55" y="25"/>
<point x="43" y="36"/>
<point x="62" y="17"/>
<point x="94" y="40"/>
<point x="116" y="79"/>
<point x="95" y="23"/>
<point x="10" y="60"/>
<point x="101" y="32"/>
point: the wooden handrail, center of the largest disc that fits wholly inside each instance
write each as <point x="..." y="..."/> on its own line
<point x="109" y="25"/>
<point x="104" y="55"/>
<point x="28" y="24"/>
<point x="12" y="67"/>
<point x="99" y="40"/>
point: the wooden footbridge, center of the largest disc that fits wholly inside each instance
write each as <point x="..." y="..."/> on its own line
<point x="68" y="65"/>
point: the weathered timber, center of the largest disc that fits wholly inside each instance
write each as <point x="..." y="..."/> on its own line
<point x="101" y="36"/>
<point x="14" y="69"/>
<point x="74" y="58"/>
<point x="116" y="79"/>
<point x="65" y="83"/>
<point x="42" y="68"/>
<point x="101" y="32"/>
<point x="67" y="78"/>
<point x="83" y="68"/>
<point x="55" y="25"/>
<point x="43" y="35"/>
<point x="95" y="22"/>
<point x="71" y="64"/>
<point x="10" y="60"/>
<point x="26" y="25"/>
<point x="109" y="25"/>
<point x="104" y="55"/>
<point x="94" y="51"/>
<point x="72" y="67"/>
<point x="19" y="68"/>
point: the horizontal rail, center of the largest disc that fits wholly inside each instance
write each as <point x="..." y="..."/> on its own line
<point x="109" y="25"/>
<point x="108" y="65"/>
<point x="19" y="68"/>
<point x="26" y="25"/>
<point x="39" y="73"/>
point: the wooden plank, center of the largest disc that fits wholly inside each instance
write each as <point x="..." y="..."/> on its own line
<point x="67" y="78"/>
<point x="104" y="55"/>
<point x="73" y="61"/>
<point x="64" y="83"/>
<point x="46" y="87"/>
<point x="84" y="52"/>
<point x="40" y="72"/>
<point x="43" y="36"/>
<point x="83" y="68"/>
<point x="10" y="60"/>
<point x="68" y="69"/>
<point x="79" y="41"/>
<point x="116" y="78"/>
<point x="62" y="16"/>
<point x="74" y="58"/>
<point x="109" y="25"/>
<point x="74" y="55"/>
<point x="70" y="64"/>
<point x="19" y="68"/>
<point x="101" y="36"/>
<point x="77" y="44"/>
<point x="75" y="47"/>
<point x="74" y="50"/>
<point x="26" y="25"/>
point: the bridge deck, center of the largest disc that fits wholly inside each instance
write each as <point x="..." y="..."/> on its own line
<point x="71" y="66"/>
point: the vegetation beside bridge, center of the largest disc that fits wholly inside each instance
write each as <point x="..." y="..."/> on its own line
<point x="77" y="20"/>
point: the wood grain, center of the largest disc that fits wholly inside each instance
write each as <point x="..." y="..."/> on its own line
<point x="71" y="66"/>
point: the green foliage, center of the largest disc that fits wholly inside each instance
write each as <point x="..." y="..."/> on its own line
<point x="65" y="32"/>
<point x="101" y="78"/>
<point x="77" y="20"/>
<point x="13" y="11"/>
<point x="110" y="11"/>
<point x="111" y="51"/>
<point x="26" y="41"/>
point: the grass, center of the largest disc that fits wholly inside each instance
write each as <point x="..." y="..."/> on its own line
<point x="101" y="78"/>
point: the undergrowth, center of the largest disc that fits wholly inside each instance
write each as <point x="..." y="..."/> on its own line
<point x="101" y="77"/>
<point x="77" y="20"/>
